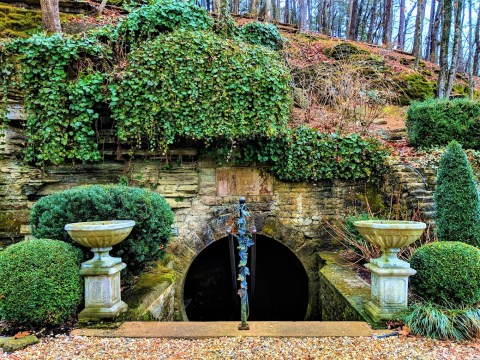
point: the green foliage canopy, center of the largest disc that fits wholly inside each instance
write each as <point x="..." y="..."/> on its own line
<point x="456" y="198"/>
<point x="198" y="85"/>
<point x="40" y="283"/>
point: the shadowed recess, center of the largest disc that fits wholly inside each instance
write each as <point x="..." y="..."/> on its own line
<point x="281" y="284"/>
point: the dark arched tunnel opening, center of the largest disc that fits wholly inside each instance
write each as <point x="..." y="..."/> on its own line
<point x="281" y="284"/>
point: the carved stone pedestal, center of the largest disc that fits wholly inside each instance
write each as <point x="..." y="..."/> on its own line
<point x="389" y="291"/>
<point x="102" y="293"/>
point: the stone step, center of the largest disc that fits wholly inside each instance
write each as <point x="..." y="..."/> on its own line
<point x="429" y="214"/>
<point x="190" y="329"/>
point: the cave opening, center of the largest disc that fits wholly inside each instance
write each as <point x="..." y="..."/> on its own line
<point x="280" y="292"/>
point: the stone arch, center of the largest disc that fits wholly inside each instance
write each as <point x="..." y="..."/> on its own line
<point x="186" y="249"/>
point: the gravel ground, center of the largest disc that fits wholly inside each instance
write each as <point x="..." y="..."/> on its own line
<point x="78" y="347"/>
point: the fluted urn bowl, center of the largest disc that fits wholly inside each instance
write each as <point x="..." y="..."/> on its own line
<point x="390" y="236"/>
<point x="100" y="236"/>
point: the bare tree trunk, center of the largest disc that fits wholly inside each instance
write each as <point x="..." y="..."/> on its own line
<point x="302" y="14"/>
<point x="286" y="14"/>
<point x="387" y="23"/>
<point x="253" y="10"/>
<point x="471" y="81"/>
<point x="444" y="48"/>
<point x="268" y="10"/>
<point x="456" y="46"/>
<point x="401" y="26"/>
<point x="327" y="27"/>
<point x="434" y="42"/>
<point x="352" y="19"/>
<point x="357" y="19"/>
<point x="236" y="6"/>
<point x="371" y="27"/>
<point x="417" y="37"/>
<point x="50" y="16"/>
<point x="430" y="29"/>
<point x="476" y="57"/>
<point x="217" y="6"/>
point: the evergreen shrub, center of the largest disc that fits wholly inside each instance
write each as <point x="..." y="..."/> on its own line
<point x="437" y="122"/>
<point x="149" y="210"/>
<point x="456" y="198"/>
<point x="264" y="34"/>
<point x="40" y="282"/>
<point x="448" y="272"/>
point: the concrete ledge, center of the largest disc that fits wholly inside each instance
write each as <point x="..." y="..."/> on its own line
<point x="187" y="329"/>
<point x="343" y="294"/>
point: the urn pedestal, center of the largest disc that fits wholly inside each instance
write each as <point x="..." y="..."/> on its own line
<point x="389" y="274"/>
<point x="102" y="272"/>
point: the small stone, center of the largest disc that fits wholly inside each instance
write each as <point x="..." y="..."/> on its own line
<point x="11" y="344"/>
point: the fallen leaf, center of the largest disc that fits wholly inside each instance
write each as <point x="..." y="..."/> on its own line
<point x="21" y="334"/>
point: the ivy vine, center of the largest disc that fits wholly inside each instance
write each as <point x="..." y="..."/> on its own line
<point x="183" y="82"/>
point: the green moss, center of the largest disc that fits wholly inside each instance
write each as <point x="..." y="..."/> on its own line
<point x="344" y="51"/>
<point x="414" y="87"/>
<point x="17" y="22"/>
<point x="158" y="275"/>
<point x="10" y="221"/>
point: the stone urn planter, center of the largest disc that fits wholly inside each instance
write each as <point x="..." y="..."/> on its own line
<point x="102" y="272"/>
<point x="389" y="273"/>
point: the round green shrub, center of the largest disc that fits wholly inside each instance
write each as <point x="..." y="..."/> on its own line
<point x="448" y="272"/>
<point x="264" y="34"/>
<point x="456" y="198"/>
<point x="40" y="282"/>
<point x="152" y="215"/>
<point x="200" y="86"/>
<point x="147" y="22"/>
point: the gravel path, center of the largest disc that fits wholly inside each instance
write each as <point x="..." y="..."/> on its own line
<point x="78" y="347"/>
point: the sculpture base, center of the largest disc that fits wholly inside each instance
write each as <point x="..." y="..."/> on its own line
<point x="389" y="295"/>
<point x="97" y="314"/>
<point x="102" y="293"/>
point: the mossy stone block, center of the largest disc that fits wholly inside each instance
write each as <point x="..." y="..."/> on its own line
<point x="10" y="344"/>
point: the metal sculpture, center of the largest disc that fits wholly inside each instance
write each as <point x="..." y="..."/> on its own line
<point x="245" y="239"/>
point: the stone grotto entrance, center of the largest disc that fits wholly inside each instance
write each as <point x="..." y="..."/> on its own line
<point x="281" y="284"/>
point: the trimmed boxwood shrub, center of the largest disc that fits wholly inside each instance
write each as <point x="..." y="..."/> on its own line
<point x="456" y="198"/>
<point x="264" y="34"/>
<point x="437" y="122"/>
<point x="40" y="282"/>
<point x="448" y="272"/>
<point x="150" y="211"/>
